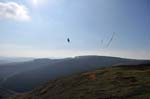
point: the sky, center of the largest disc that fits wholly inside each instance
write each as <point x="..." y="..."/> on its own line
<point x="40" y="28"/>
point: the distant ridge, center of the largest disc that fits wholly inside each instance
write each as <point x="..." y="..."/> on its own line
<point x="34" y="73"/>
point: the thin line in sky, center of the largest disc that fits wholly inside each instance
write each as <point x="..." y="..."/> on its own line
<point x="111" y="39"/>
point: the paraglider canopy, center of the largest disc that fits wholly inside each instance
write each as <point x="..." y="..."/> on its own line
<point x="68" y="40"/>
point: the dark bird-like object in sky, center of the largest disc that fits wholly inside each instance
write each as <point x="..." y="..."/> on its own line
<point x="111" y="39"/>
<point x="68" y="40"/>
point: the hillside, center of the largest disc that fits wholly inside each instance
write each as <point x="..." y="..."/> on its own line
<point x="4" y="93"/>
<point x="40" y="71"/>
<point x="117" y="82"/>
<point x="10" y="69"/>
<point x="6" y="60"/>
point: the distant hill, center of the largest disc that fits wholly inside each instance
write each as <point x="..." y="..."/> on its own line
<point x="5" y="60"/>
<point x="10" y="69"/>
<point x="4" y="93"/>
<point x="117" y="82"/>
<point x="37" y="72"/>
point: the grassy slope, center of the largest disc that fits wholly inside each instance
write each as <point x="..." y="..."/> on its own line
<point x="121" y="82"/>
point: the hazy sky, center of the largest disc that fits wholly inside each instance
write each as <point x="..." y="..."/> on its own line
<point x="40" y="28"/>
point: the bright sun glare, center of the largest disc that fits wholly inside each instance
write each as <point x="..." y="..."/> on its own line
<point x="35" y="2"/>
<point x="39" y="2"/>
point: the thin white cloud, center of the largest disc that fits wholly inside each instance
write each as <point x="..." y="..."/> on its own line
<point x="14" y="11"/>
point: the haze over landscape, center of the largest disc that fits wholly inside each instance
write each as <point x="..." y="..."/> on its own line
<point x="39" y="28"/>
<point x="74" y="49"/>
